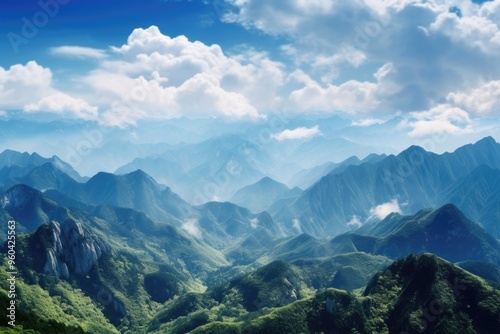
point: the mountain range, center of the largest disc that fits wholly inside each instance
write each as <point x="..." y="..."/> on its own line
<point x="414" y="179"/>
<point x="386" y="244"/>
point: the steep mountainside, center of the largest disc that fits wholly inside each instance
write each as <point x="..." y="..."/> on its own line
<point x="415" y="177"/>
<point x="125" y="254"/>
<point x="30" y="208"/>
<point x="417" y="294"/>
<point x="220" y="224"/>
<point x="478" y="195"/>
<point x="116" y="259"/>
<point x="445" y="232"/>
<point x="135" y="190"/>
<point x="307" y="177"/>
<point x="14" y="164"/>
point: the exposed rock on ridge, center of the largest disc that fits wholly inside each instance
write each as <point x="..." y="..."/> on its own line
<point x="72" y="249"/>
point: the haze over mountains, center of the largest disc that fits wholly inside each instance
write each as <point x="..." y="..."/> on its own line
<point x="250" y="167"/>
<point x="167" y="264"/>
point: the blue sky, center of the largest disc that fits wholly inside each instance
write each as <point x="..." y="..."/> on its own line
<point x="432" y="63"/>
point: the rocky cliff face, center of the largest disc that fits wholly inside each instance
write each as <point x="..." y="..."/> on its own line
<point x="72" y="249"/>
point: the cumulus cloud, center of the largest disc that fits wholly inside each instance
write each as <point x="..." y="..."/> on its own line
<point x="30" y="88"/>
<point x="23" y="84"/>
<point x="476" y="30"/>
<point x="80" y="52"/>
<point x="483" y="100"/>
<point x="191" y="227"/>
<point x="383" y="210"/>
<point x="299" y="16"/>
<point x="298" y="133"/>
<point x="351" y="96"/>
<point x="159" y="77"/>
<point x="442" y="119"/>
<point x="366" y="58"/>
<point x="328" y="39"/>
<point x="61" y="103"/>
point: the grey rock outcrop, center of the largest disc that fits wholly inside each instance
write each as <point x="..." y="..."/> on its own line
<point x="72" y="250"/>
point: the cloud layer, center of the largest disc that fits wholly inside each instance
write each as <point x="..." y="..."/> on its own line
<point x="298" y="133"/>
<point x="79" y="52"/>
<point x="434" y="63"/>
<point x="383" y="210"/>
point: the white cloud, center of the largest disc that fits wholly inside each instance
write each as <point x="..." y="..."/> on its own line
<point x="351" y="96"/>
<point x="298" y="133"/>
<point x="367" y="122"/>
<point x="383" y="210"/>
<point x="30" y="88"/>
<point x="191" y="227"/>
<point x="431" y="51"/>
<point x="159" y="77"/>
<point x="79" y="52"/>
<point x="442" y="119"/>
<point x="254" y="223"/>
<point x="63" y="103"/>
<point x="355" y="222"/>
<point x="476" y="30"/>
<point x="369" y="57"/>
<point x="23" y="84"/>
<point x="304" y="16"/>
<point x="482" y="100"/>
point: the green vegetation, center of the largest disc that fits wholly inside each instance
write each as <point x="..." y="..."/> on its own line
<point x="346" y="271"/>
<point x="152" y="277"/>
<point x="420" y="293"/>
<point x="57" y="308"/>
<point x="161" y="286"/>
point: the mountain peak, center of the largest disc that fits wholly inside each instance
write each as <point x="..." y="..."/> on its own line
<point x="449" y="212"/>
<point x="267" y="181"/>
<point x="413" y="149"/>
<point x="486" y="141"/>
<point x="139" y="174"/>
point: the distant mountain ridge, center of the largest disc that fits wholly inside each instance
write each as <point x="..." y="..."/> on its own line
<point x="15" y="166"/>
<point x="415" y="178"/>
<point x="135" y="190"/>
<point x="202" y="172"/>
<point x="306" y="178"/>
<point x="261" y="195"/>
<point x="445" y="232"/>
